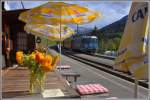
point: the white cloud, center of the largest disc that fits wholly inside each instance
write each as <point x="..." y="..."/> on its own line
<point x="31" y="4"/>
<point x="111" y="12"/>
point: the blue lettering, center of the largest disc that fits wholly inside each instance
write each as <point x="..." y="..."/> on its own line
<point x="145" y="40"/>
<point x="121" y="52"/>
<point x="146" y="10"/>
<point x="133" y="17"/>
<point x="139" y="14"/>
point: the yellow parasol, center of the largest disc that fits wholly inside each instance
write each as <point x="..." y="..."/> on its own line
<point x="52" y="12"/>
<point x="133" y="50"/>
<point x="58" y="13"/>
<point x="50" y="32"/>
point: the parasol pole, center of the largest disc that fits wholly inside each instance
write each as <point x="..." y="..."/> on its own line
<point x="47" y="46"/>
<point x="60" y="40"/>
<point x="77" y="28"/>
<point x="136" y="88"/>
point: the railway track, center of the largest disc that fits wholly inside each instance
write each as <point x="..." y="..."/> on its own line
<point x="105" y="67"/>
<point x="99" y="55"/>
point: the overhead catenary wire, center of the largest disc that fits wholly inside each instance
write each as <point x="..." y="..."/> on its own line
<point x="22" y="5"/>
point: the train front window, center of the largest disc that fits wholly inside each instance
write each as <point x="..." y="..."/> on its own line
<point x="89" y="40"/>
<point x="92" y="40"/>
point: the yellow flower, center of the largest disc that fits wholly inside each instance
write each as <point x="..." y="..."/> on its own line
<point x="32" y="56"/>
<point x="55" y="61"/>
<point x="19" y="57"/>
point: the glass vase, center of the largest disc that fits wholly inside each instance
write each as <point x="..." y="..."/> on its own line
<point x="36" y="83"/>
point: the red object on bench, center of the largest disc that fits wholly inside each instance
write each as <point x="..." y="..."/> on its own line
<point x="91" y="89"/>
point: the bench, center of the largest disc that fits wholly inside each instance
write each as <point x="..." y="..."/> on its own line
<point x="70" y="73"/>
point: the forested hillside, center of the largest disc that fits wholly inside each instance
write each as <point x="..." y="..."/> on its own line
<point x="110" y="35"/>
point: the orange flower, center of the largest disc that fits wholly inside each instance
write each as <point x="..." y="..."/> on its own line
<point x="39" y="57"/>
<point x="46" y="67"/>
<point x="48" y="59"/>
<point x="19" y="57"/>
<point x="46" y="63"/>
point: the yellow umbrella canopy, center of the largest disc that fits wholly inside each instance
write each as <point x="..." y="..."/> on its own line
<point x="133" y="50"/>
<point x="51" y="32"/>
<point x="54" y="13"/>
<point x="58" y="12"/>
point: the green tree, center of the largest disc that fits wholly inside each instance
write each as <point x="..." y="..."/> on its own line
<point x="94" y="32"/>
<point x="111" y="45"/>
<point x="116" y="41"/>
<point x="101" y="46"/>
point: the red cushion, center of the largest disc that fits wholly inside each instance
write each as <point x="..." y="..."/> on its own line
<point x="91" y="89"/>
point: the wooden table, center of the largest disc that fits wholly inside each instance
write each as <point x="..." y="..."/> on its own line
<point x="15" y="83"/>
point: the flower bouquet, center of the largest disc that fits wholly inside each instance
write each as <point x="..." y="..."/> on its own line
<point x="39" y="64"/>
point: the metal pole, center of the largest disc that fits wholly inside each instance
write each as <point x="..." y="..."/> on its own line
<point x="60" y="39"/>
<point x="46" y="46"/>
<point x="136" y="89"/>
<point x="77" y="28"/>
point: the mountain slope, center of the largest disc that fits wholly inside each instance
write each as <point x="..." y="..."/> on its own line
<point x="115" y="28"/>
<point x="110" y="35"/>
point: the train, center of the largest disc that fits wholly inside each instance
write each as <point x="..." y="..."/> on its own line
<point x="86" y="44"/>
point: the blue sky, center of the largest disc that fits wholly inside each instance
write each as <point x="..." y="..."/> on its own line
<point x="111" y="10"/>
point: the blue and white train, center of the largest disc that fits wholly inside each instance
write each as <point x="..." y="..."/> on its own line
<point x="87" y="44"/>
